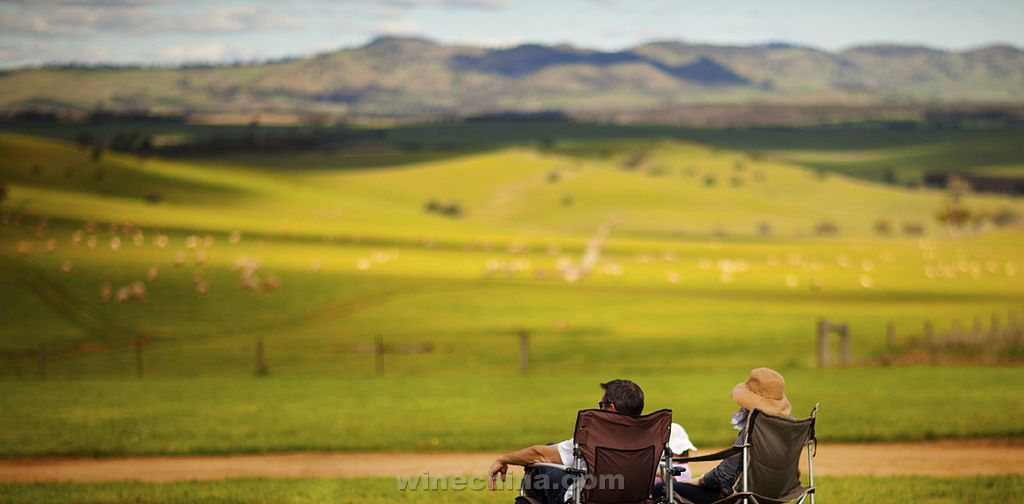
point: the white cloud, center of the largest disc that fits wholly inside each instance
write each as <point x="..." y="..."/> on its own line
<point x="397" y="26"/>
<point x="69" y="21"/>
<point x="205" y="52"/>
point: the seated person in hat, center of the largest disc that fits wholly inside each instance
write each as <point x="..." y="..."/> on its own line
<point x="764" y="390"/>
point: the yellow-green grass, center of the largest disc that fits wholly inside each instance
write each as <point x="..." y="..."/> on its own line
<point x="373" y="490"/>
<point x="453" y="409"/>
<point x="687" y="295"/>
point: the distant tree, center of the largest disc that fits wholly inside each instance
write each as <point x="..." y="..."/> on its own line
<point x="1005" y="217"/>
<point x="554" y="176"/>
<point x="764" y="229"/>
<point x="85" y="139"/>
<point x="882" y="227"/>
<point x="826" y="228"/>
<point x="888" y="175"/>
<point x="953" y="212"/>
<point x="96" y="153"/>
<point x="568" y="200"/>
<point x="911" y="228"/>
<point x="710" y="180"/>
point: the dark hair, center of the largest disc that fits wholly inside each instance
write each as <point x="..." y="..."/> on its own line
<point x="625" y="395"/>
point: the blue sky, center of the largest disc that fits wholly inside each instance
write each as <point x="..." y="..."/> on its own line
<point x="169" y="32"/>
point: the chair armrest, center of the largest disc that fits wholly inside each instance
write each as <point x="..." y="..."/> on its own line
<point x="563" y="467"/>
<point x="726" y="453"/>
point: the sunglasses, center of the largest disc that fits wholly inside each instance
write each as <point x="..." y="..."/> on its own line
<point x="604" y="405"/>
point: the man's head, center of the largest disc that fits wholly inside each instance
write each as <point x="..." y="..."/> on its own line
<point x="623" y="396"/>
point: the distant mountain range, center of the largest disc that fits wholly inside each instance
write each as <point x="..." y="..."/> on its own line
<point x="404" y="77"/>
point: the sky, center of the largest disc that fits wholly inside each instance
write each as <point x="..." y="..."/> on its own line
<point x="167" y="32"/>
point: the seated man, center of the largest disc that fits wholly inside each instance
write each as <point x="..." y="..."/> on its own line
<point x="550" y="485"/>
<point x="764" y="390"/>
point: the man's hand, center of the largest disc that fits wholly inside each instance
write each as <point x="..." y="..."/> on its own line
<point x="498" y="467"/>
<point x="693" y="481"/>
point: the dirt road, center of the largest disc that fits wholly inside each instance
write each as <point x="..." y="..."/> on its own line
<point x="939" y="458"/>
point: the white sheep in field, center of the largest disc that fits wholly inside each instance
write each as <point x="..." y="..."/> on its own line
<point x="138" y="239"/>
<point x="106" y="291"/>
<point x="76" y="238"/>
<point x="179" y="259"/>
<point x="91" y="242"/>
<point x="272" y="282"/>
<point x="192" y="242"/>
<point x="234" y="237"/>
<point x="153" y="274"/>
<point x="23" y="248"/>
<point x="201" y="257"/>
<point x="51" y="246"/>
<point x="65" y="267"/>
<point x="115" y="244"/>
<point x="161" y="241"/>
<point x="202" y="287"/>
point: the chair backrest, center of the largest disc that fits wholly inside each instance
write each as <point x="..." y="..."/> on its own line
<point x="622" y="453"/>
<point x="776" y="444"/>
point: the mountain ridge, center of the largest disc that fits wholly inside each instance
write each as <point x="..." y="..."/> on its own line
<point x="413" y="76"/>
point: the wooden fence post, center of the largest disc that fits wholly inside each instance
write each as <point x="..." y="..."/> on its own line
<point x="976" y="330"/>
<point x="524" y="350"/>
<point x="929" y="340"/>
<point x="261" y="363"/>
<point x="890" y="336"/>
<point x="138" y="356"/>
<point x="41" y="370"/>
<point x="822" y="343"/>
<point x="378" y="354"/>
<point x="844" y="344"/>
<point x="993" y="337"/>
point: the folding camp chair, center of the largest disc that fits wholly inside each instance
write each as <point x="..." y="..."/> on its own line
<point x="616" y="456"/>
<point x="771" y="452"/>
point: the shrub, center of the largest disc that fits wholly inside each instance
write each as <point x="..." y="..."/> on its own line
<point x="826" y="228"/>
<point x="710" y="180"/>
<point x="554" y="176"/>
<point x="911" y="228"/>
<point x="568" y="200"/>
<point x="1005" y="217"/>
<point x="883" y="227"/>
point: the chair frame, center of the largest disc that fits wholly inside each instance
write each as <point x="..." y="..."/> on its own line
<point x="811" y="446"/>
<point x="581" y="473"/>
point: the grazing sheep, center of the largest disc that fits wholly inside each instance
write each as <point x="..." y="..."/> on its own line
<point x="23" y="248"/>
<point x="792" y="281"/>
<point x="153" y="274"/>
<point x="161" y="241"/>
<point x="123" y="295"/>
<point x="234" y="237"/>
<point x="192" y="242"/>
<point x="201" y="257"/>
<point x="179" y="259"/>
<point x="91" y="242"/>
<point x="51" y="246"/>
<point x="208" y="241"/>
<point x="66" y="266"/>
<point x="115" y="244"/>
<point x="106" y="291"/>
<point x="202" y="287"/>
<point x="866" y="281"/>
<point x="272" y="282"/>
<point x="138" y="239"/>
<point x="76" y="238"/>
<point x="315" y="267"/>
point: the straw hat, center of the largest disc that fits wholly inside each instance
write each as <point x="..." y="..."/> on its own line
<point x="763" y="390"/>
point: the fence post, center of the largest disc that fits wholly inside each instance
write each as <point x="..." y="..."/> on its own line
<point x="378" y="354"/>
<point x="524" y="350"/>
<point x="993" y="337"/>
<point x="976" y="330"/>
<point x="890" y="336"/>
<point x="844" y="344"/>
<point x="822" y="343"/>
<point x="929" y="340"/>
<point x="261" y="363"/>
<point x="138" y="356"/>
<point x="41" y="370"/>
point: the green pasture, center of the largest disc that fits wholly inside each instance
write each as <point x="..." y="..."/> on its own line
<point x="452" y="409"/>
<point x="695" y="284"/>
<point x="373" y="490"/>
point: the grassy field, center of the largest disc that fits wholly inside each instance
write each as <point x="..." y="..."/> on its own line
<point x="372" y="490"/>
<point x="709" y="265"/>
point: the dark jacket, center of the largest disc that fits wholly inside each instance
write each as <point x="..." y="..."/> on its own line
<point x="724" y="475"/>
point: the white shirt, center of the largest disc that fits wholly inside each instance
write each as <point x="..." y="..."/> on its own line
<point x="565" y="449"/>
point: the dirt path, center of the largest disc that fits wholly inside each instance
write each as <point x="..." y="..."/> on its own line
<point x="939" y="458"/>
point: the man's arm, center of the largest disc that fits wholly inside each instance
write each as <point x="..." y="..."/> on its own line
<point x="524" y="457"/>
